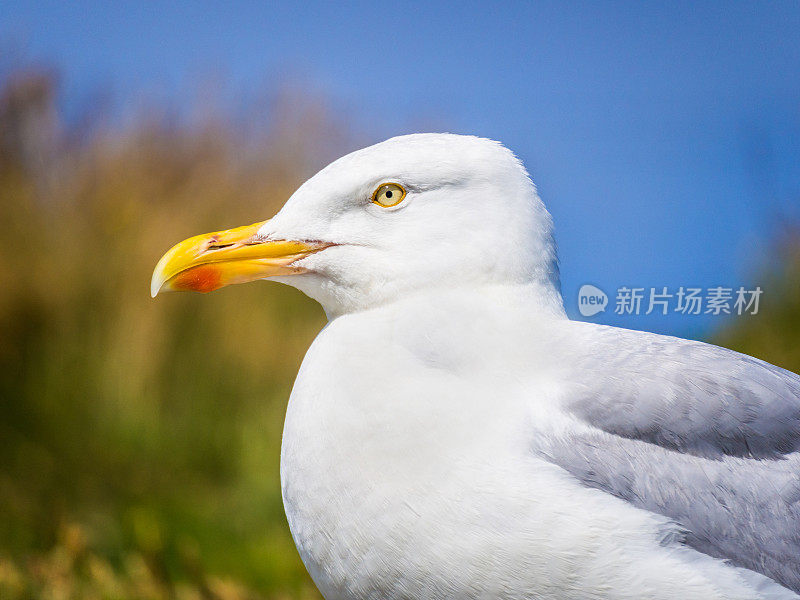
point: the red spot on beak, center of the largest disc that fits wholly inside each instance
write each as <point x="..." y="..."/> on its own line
<point x="205" y="278"/>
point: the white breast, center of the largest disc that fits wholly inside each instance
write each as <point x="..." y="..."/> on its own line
<point x="406" y="473"/>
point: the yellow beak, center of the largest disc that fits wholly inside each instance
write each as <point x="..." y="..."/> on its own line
<point x="208" y="262"/>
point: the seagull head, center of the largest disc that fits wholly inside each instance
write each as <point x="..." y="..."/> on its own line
<point x="411" y="214"/>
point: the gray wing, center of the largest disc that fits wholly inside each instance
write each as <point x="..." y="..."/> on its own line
<point x="700" y="434"/>
<point x="685" y="395"/>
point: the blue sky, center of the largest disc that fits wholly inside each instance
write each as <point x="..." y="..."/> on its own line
<point x="665" y="139"/>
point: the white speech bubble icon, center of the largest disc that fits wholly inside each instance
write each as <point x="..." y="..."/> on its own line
<point x="591" y="300"/>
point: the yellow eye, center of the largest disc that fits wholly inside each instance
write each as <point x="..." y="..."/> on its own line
<point x="389" y="194"/>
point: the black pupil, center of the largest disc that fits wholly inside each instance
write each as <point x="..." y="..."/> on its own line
<point x="388" y="193"/>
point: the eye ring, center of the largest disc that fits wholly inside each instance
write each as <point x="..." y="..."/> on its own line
<point x="388" y="194"/>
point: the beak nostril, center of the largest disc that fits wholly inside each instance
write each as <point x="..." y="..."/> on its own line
<point x="218" y="246"/>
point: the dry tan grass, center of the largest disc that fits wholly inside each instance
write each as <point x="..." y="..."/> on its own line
<point x="151" y="427"/>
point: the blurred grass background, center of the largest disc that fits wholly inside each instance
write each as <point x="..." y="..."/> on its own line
<point x="139" y="440"/>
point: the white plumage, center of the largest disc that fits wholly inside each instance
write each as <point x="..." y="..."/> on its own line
<point x="451" y="434"/>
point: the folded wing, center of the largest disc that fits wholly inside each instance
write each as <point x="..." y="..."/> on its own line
<point x="684" y="395"/>
<point x="700" y="434"/>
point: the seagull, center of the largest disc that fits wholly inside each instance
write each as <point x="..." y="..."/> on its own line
<point x="453" y="434"/>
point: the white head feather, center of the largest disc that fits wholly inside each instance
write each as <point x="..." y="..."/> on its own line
<point x="471" y="217"/>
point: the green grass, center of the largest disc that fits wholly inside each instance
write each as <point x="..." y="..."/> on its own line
<point x="140" y="437"/>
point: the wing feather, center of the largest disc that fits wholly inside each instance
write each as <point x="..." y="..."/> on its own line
<point x="702" y="435"/>
<point x="685" y="395"/>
